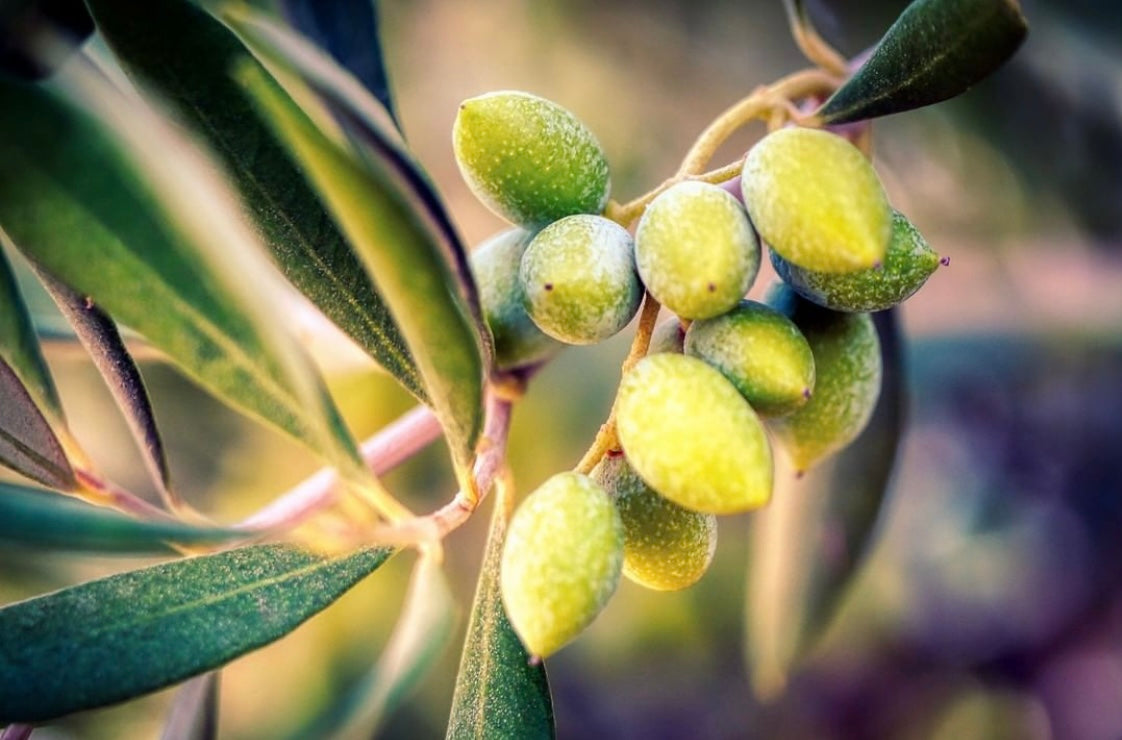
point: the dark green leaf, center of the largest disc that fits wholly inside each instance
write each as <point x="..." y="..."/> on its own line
<point x="348" y="30"/>
<point x="194" y="713"/>
<point x="373" y="132"/>
<point x="99" y="335"/>
<point x="49" y="521"/>
<point x="187" y="56"/>
<point x="168" y="254"/>
<point x="499" y="694"/>
<point x="119" y="637"/>
<point x="27" y="444"/>
<point x="937" y="49"/>
<point x="809" y="542"/>
<point x="377" y="210"/>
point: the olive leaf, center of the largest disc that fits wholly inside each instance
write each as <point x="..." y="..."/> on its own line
<point x="30" y="411"/>
<point x="808" y="543"/>
<point x="186" y="56"/>
<point x="376" y="206"/>
<point x="348" y="30"/>
<point x="166" y="252"/>
<point x="44" y="520"/>
<point x="99" y="335"/>
<point x="499" y="692"/>
<point x="935" y="50"/>
<point x="129" y="634"/>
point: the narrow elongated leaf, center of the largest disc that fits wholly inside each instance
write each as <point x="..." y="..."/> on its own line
<point x="935" y="50"/>
<point x="420" y="637"/>
<point x="499" y="693"/>
<point x="187" y="56"/>
<point x="167" y="254"/>
<point x="99" y="335"/>
<point x="44" y="520"/>
<point x="129" y="634"/>
<point x="372" y="131"/>
<point x="348" y="30"/>
<point x="19" y="347"/>
<point x="373" y="206"/>
<point x="194" y="713"/>
<point x="27" y="443"/>
<point x="30" y="411"/>
<point x="808" y="544"/>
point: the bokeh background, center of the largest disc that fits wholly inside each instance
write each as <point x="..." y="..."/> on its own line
<point x="990" y="605"/>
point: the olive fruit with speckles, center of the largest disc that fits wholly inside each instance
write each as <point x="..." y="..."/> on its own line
<point x="692" y="437"/>
<point x="578" y="279"/>
<point x="908" y="263"/>
<point x="696" y="251"/>
<point x="495" y="264"/>
<point x="561" y="561"/>
<point x="528" y="159"/>
<point x="761" y="352"/>
<point x="847" y="366"/>
<point x="665" y="547"/>
<point x="816" y="200"/>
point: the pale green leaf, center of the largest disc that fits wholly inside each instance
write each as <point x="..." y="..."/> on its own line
<point x="166" y="253"/>
<point x="377" y="210"/>
<point x="187" y="56"/>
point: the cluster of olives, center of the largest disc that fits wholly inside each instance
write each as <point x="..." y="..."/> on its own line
<point x="697" y="416"/>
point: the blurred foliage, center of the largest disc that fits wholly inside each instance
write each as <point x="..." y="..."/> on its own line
<point x="992" y="604"/>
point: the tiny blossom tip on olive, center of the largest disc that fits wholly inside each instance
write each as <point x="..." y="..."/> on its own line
<point x="908" y="263"/>
<point x="528" y="159"/>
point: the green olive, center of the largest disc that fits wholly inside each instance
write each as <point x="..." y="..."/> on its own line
<point x="561" y="561"/>
<point x="528" y="159"/>
<point x="665" y="547"/>
<point x="761" y="352"/>
<point x="816" y="200"/>
<point x="692" y="437"/>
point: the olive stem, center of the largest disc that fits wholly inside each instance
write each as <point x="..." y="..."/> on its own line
<point x="812" y="45"/>
<point x="387" y="449"/>
<point x="490" y="466"/>
<point x="762" y="103"/>
<point x="626" y="213"/>
<point x="96" y="490"/>
<point x="606" y="438"/>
